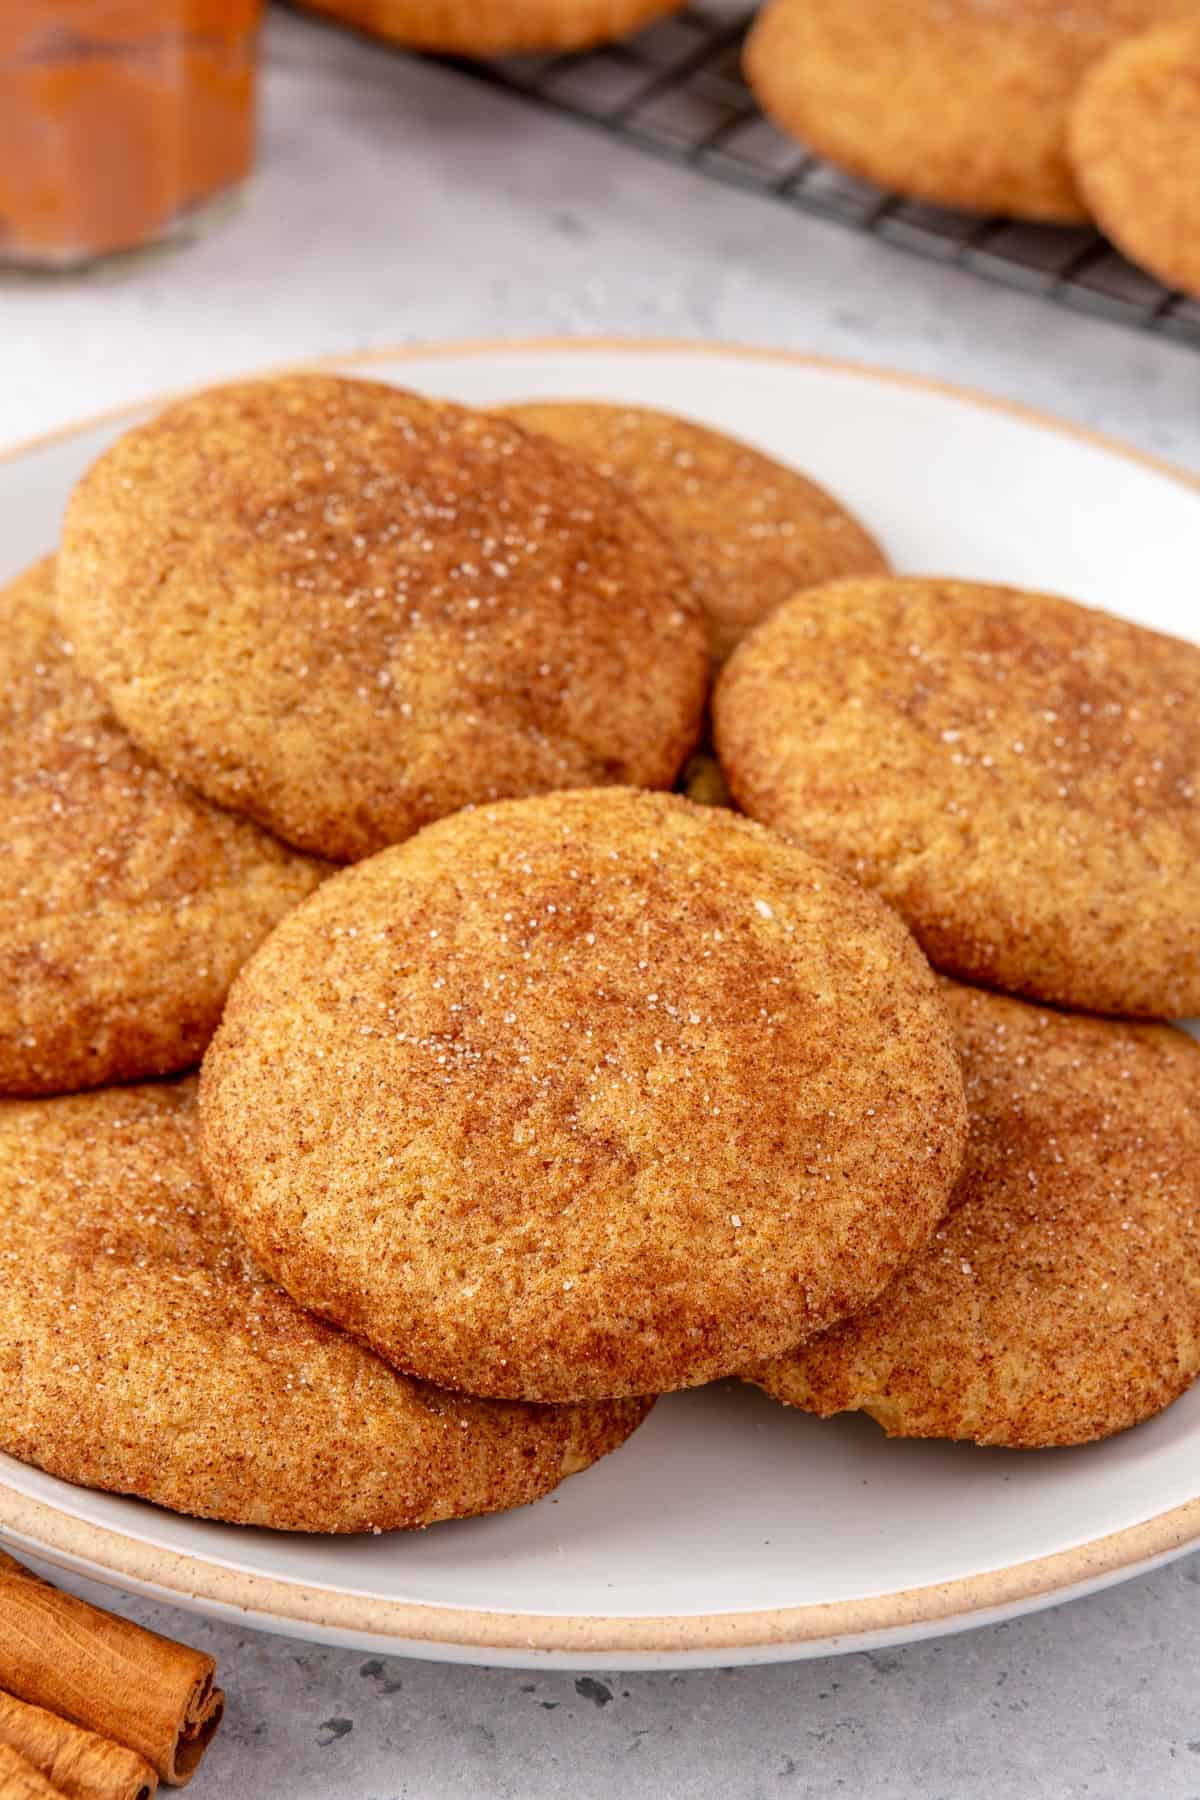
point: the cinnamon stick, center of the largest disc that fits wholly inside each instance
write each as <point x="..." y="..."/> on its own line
<point x="106" y="1674"/>
<point x="80" y="1764"/>
<point x="19" y="1780"/>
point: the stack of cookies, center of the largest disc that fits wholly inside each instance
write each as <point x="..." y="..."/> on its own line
<point x="1030" y="109"/>
<point x="335" y="756"/>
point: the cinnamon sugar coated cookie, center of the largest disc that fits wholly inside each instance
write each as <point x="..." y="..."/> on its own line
<point x="750" y="530"/>
<point x="961" y="103"/>
<point x="142" y="1351"/>
<point x="126" y="902"/>
<point x="1059" y="1300"/>
<point x="497" y="27"/>
<point x="1135" y="148"/>
<point x="597" y="1093"/>
<point x="345" y="610"/>
<point x="1017" y="775"/>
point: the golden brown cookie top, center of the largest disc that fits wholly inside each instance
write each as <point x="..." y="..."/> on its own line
<point x="496" y="27"/>
<point x="584" y="1095"/>
<point x="143" y="1352"/>
<point x="1059" y="1300"/>
<point x="750" y="530"/>
<point x="958" y="102"/>
<point x="126" y="902"/>
<point x="1018" y="775"/>
<point x="1135" y="149"/>
<point x="345" y="610"/>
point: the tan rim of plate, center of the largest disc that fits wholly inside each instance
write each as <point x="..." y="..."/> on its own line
<point x="43" y="1527"/>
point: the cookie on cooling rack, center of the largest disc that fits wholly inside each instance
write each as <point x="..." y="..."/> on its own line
<point x="1059" y="1300"/>
<point x="345" y="610"/>
<point x="750" y="529"/>
<point x="955" y="102"/>
<point x="497" y="27"/>
<point x="1135" y="149"/>
<point x="144" y="1352"/>
<point x="127" y="903"/>
<point x="1017" y="775"/>
<point x="591" y="1094"/>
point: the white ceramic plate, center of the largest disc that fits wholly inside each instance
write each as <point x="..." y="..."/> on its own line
<point x="728" y="1529"/>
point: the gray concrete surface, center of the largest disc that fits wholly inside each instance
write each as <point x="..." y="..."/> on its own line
<point x="1095" y="1700"/>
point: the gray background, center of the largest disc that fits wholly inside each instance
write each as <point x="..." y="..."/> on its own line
<point x="397" y="201"/>
<point x="1097" y="1698"/>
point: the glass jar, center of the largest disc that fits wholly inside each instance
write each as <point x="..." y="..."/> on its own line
<point x="122" y="122"/>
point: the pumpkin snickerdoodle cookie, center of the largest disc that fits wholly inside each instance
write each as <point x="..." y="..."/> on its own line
<point x="591" y="1094"/>
<point x="143" y="1352"/>
<point x="1017" y="775"/>
<point x="960" y="103"/>
<point x="497" y="27"/>
<point x="1059" y="1300"/>
<point x="345" y="610"/>
<point x="750" y="530"/>
<point x="1135" y="148"/>
<point x="126" y="903"/>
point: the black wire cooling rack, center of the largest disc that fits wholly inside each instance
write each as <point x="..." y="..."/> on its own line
<point x="676" y="90"/>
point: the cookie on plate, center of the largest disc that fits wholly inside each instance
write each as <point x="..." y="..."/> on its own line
<point x="345" y="610"/>
<point x="126" y="903"/>
<point x="499" y="27"/>
<point x="143" y="1352"/>
<point x="1059" y="1300"/>
<point x="961" y="103"/>
<point x="1017" y="775"/>
<point x="1135" y="149"/>
<point x="750" y="530"/>
<point x="584" y="1095"/>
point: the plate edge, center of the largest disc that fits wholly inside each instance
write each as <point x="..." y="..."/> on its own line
<point x="451" y="347"/>
<point x="43" y="1527"/>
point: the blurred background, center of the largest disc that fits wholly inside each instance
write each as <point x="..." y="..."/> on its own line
<point x="632" y="189"/>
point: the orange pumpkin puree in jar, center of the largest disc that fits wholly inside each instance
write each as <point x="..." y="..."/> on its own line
<point x="119" y="120"/>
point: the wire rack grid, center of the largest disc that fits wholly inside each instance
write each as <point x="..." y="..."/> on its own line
<point x="676" y="89"/>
